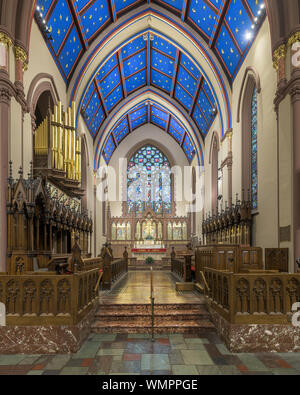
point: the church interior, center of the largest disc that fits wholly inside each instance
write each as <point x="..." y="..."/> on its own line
<point x="149" y="187"/>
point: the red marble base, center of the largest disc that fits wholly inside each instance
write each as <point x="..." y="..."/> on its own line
<point x="256" y="338"/>
<point x="45" y="339"/>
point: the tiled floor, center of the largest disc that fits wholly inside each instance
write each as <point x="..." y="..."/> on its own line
<point x="136" y="354"/>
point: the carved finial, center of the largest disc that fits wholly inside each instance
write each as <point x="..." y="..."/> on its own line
<point x="31" y="169"/>
<point x="21" y="172"/>
<point x="10" y="170"/>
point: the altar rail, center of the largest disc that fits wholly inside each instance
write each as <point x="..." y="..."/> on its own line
<point x="253" y="298"/>
<point x="48" y="299"/>
<point x="181" y="268"/>
<point x="113" y="269"/>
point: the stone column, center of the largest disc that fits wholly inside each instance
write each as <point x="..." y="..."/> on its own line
<point x="229" y="167"/>
<point x="295" y="95"/>
<point x="279" y="59"/>
<point x="295" y="98"/>
<point x="21" y="65"/>
<point x="6" y="92"/>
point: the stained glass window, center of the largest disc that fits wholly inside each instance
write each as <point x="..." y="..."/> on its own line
<point x="254" y="175"/>
<point x="149" y="181"/>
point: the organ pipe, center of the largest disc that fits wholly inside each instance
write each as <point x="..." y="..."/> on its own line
<point x="56" y="136"/>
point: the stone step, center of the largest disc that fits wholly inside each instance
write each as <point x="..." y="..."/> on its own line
<point x="162" y="315"/>
<point x="191" y="326"/>
<point x="146" y="268"/>
<point x="135" y="308"/>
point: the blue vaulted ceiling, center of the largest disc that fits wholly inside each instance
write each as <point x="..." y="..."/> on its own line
<point x="148" y="113"/>
<point x="167" y="69"/>
<point x="227" y="26"/>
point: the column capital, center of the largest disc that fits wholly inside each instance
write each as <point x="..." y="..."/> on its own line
<point x="293" y="39"/>
<point x="21" y="56"/>
<point x="5" y="39"/>
<point x="20" y="96"/>
<point x="278" y="54"/>
<point x="7" y="90"/>
<point x="295" y="92"/>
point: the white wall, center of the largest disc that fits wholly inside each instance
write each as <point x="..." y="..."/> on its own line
<point x="266" y="221"/>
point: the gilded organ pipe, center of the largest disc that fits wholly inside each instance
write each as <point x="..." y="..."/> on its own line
<point x="57" y="133"/>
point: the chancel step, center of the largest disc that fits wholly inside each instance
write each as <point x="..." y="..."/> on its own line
<point x="169" y="318"/>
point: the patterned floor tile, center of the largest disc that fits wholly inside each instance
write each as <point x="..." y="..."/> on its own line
<point x="125" y="354"/>
<point x="155" y="362"/>
<point x="195" y="357"/>
<point x="51" y="373"/>
<point x="125" y="367"/>
<point x="132" y="357"/>
<point x="185" y="370"/>
<point x="223" y="349"/>
<point x="176" y="358"/>
<point x="253" y="363"/>
<point x="285" y="372"/>
<point x="114" y="351"/>
<point x="229" y="370"/>
<point x="102" y="363"/>
<point x="73" y="371"/>
<point x="35" y="373"/>
<point x="58" y="362"/>
<point x="11" y="359"/>
<point x="208" y="370"/>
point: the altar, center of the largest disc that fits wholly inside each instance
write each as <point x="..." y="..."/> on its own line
<point x="143" y="249"/>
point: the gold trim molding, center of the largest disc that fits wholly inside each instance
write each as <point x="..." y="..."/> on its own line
<point x="21" y="55"/>
<point x="5" y="39"/>
<point x="293" y="39"/>
<point x="279" y="53"/>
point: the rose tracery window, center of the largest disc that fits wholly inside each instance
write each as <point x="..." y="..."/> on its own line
<point x="149" y="181"/>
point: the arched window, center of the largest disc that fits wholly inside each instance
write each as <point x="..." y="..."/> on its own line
<point x="249" y="142"/>
<point x="149" y="181"/>
<point x="254" y="178"/>
<point x="214" y="174"/>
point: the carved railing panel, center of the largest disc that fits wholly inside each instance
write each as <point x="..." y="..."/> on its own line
<point x="249" y="298"/>
<point x="48" y="299"/>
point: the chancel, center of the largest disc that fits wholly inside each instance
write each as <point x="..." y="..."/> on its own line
<point x="149" y="187"/>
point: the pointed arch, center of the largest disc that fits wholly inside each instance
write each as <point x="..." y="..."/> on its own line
<point x="249" y="139"/>
<point x="250" y="72"/>
<point x="214" y="162"/>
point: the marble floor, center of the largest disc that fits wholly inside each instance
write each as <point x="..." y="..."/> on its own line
<point x="135" y="288"/>
<point x="128" y="354"/>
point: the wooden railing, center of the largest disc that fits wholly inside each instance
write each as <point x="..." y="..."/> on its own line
<point x="63" y="295"/>
<point x="118" y="269"/>
<point x="48" y="299"/>
<point x="181" y="268"/>
<point x="253" y="298"/>
<point x="113" y="269"/>
<point x="234" y="258"/>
